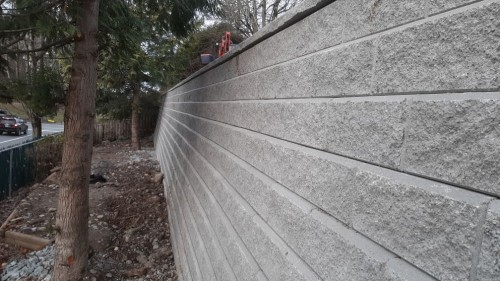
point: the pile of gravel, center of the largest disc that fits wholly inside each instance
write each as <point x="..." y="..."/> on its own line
<point x="36" y="265"/>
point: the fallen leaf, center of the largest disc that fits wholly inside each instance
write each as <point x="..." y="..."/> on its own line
<point x="137" y="272"/>
<point x="70" y="260"/>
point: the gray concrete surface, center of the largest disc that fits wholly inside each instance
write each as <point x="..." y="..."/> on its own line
<point x="360" y="195"/>
<point x="489" y="267"/>
<point x="8" y="140"/>
<point x="451" y="137"/>
<point x="348" y="140"/>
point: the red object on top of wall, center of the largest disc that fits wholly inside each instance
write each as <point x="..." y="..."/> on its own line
<point x="225" y="43"/>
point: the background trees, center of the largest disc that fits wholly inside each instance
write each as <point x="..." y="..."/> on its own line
<point x="183" y="56"/>
<point x="241" y="17"/>
<point x="39" y="92"/>
<point x="72" y="215"/>
<point x="133" y="45"/>
<point x="32" y="35"/>
<point x="249" y="16"/>
<point x="132" y="65"/>
<point x="33" y="29"/>
<point x="71" y="244"/>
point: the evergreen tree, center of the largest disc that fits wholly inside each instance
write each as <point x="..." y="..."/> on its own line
<point x="88" y="25"/>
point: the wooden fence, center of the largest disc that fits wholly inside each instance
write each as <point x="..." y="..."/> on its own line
<point x="121" y="129"/>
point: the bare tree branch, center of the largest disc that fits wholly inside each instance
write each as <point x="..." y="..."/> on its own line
<point x="6" y="45"/>
<point x="16" y="30"/>
<point x="59" y="43"/>
<point x="249" y="16"/>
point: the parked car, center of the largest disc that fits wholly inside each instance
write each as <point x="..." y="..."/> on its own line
<point x="3" y="112"/>
<point x="13" y="125"/>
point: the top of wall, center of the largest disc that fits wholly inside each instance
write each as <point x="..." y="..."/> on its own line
<point x="296" y="14"/>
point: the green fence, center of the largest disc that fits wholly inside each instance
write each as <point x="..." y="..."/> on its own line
<point x="17" y="168"/>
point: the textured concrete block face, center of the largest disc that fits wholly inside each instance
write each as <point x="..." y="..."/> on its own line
<point x="489" y="260"/>
<point x="349" y="71"/>
<point x="455" y="140"/>
<point x="257" y="85"/>
<point x="399" y="270"/>
<point x="180" y="262"/>
<point x="202" y="259"/>
<point x="436" y="6"/>
<point x="174" y="92"/>
<point x="176" y="241"/>
<point x="339" y="22"/>
<point x="271" y="260"/>
<point x="385" y="14"/>
<point x="198" y="238"/>
<point x="180" y="90"/>
<point x="305" y="235"/>
<point x="345" y="71"/>
<point x="217" y="258"/>
<point x="376" y="136"/>
<point x="183" y="265"/>
<point x="232" y="248"/>
<point x="449" y="137"/>
<point x="360" y="142"/>
<point x="367" y="17"/>
<point x="222" y="72"/>
<point x="190" y="254"/>
<point x="311" y="34"/>
<point x="455" y="52"/>
<point x="430" y="229"/>
<point x="359" y="18"/>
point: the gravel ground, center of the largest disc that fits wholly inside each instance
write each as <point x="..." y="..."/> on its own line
<point x="128" y="225"/>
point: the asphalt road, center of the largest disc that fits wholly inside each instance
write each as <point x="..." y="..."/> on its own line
<point x="12" y="140"/>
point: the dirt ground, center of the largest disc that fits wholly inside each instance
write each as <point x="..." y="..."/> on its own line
<point x="128" y="225"/>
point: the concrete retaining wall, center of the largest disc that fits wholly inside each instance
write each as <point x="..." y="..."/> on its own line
<point x="349" y="140"/>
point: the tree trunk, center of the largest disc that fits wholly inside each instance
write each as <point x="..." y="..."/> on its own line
<point x="264" y="12"/>
<point x="275" y="12"/>
<point x="36" y="124"/>
<point x="135" y="133"/>
<point x="34" y="59"/>
<point x="73" y="206"/>
<point x="255" y="13"/>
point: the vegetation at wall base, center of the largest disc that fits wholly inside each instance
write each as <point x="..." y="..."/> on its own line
<point x="48" y="152"/>
<point x="31" y="161"/>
